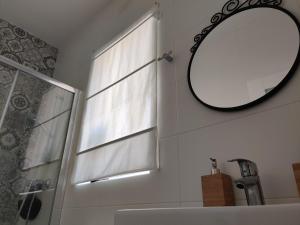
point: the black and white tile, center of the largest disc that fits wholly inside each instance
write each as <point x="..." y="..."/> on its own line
<point x="24" y="48"/>
<point x="6" y="79"/>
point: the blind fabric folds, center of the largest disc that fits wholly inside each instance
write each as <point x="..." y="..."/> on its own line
<point x="126" y="108"/>
<point x="133" y="154"/>
<point x="131" y="53"/>
<point x="119" y="133"/>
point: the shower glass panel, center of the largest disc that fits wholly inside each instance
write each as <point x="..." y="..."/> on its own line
<point x="35" y="116"/>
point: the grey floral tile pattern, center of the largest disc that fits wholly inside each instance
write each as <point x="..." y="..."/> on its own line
<point x="30" y="97"/>
<point x="8" y="198"/>
<point x="26" y="49"/>
<point x="9" y="140"/>
<point x="6" y="79"/>
<point x="14" y="136"/>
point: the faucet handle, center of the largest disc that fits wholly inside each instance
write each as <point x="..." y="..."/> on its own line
<point x="247" y="167"/>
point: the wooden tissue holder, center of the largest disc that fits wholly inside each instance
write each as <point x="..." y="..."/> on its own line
<point x="296" y="168"/>
<point x="217" y="190"/>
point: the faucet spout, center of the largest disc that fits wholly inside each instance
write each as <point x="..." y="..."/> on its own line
<point x="250" y="182"/>
<point x="252" y="188"/>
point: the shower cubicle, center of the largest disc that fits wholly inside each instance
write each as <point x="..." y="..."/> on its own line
<point x="37" y="116"/>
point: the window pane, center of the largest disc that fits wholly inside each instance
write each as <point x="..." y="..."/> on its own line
<point x="126" y="108"/>
<point x="129" y="54"/>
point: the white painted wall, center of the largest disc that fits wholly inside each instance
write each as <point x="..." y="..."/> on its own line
<point x="52" y="21"/>
<point x="268" y="134"/>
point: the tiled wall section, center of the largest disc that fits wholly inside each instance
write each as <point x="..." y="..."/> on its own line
<point x="24" y="48"/>
<point x="190" y="132"/>
<point x="37" y="111"/>
<point x="7" y="75"/>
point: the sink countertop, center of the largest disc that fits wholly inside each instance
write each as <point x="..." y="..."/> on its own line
<point x="285" y="214"/>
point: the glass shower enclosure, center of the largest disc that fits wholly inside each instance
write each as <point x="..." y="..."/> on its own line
<point x="37" y="116"/>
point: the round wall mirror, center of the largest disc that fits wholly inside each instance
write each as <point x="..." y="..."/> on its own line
<point x="244" y="58"/>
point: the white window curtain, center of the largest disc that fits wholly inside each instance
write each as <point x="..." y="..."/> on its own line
<point x="119" y="133"/>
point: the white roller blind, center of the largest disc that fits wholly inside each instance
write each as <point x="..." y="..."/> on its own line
<point x="118" y="133"/>
<point x="126" y="108"/>
<point x="132" y="52"/>
<point x="129" y="155"/>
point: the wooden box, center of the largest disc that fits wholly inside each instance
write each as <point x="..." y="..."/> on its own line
<point x="296" y="168"/>
<point x="217" y="190"/>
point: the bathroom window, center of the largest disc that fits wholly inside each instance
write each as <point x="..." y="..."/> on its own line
<point x="119" y="128"/>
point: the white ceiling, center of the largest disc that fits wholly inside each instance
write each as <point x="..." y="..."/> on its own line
<point x="51" y="20"/>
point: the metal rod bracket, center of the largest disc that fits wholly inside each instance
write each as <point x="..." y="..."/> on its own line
<point x="167" y="56"/>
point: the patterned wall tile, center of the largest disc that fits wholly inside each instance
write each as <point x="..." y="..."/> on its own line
<point x="30" y="98"/>
<point x="7" y="75"/>
<point x="26" y="49"/>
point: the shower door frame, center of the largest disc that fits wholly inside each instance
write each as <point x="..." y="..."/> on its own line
<point x="69" y="141"/>
<point x="37" y="74"/>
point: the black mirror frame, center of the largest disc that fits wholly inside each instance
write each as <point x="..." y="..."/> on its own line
<point x="231" y="8"/>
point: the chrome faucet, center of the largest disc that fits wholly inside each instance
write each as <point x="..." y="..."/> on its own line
<point x="249" y="182"/>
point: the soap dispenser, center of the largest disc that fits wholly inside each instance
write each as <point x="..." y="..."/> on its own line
<point x="217" y="188"/>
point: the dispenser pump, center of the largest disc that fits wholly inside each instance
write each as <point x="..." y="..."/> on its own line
<point x="214" y="169"/>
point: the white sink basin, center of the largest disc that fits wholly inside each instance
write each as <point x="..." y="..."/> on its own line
<point x="288" y="214"/>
